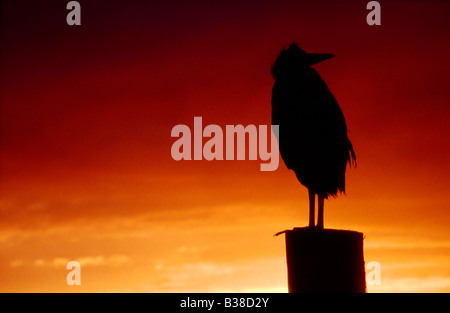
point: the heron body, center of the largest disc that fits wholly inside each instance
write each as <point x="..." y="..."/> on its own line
<point x="313" y="138"/>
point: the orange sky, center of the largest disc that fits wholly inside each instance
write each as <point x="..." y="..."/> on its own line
<point x="86" y="172"/>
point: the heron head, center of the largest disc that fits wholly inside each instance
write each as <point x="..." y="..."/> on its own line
<point x="294" y="59"/>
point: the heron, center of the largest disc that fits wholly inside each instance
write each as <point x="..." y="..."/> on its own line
<point x="313" y="139"/>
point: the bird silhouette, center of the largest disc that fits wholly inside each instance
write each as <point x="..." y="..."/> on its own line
<point x="313" y="138"/>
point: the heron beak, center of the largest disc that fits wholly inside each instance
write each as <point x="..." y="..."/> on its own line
<point x="314" y="58"/>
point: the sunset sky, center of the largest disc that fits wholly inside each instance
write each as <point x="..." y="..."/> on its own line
<point x="86" y="114"/>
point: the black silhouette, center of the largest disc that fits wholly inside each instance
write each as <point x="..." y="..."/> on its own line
<point x="325" y="261"/>
<point x="313" y="135"/>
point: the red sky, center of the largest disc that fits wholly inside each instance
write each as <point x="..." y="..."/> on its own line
<point x="85" y="119"/>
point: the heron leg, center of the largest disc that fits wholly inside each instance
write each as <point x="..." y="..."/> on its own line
<point x="320" y="211"/>
<point x="312" y="200"/>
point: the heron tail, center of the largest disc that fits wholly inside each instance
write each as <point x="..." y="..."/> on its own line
<point x="351" y="155"/>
